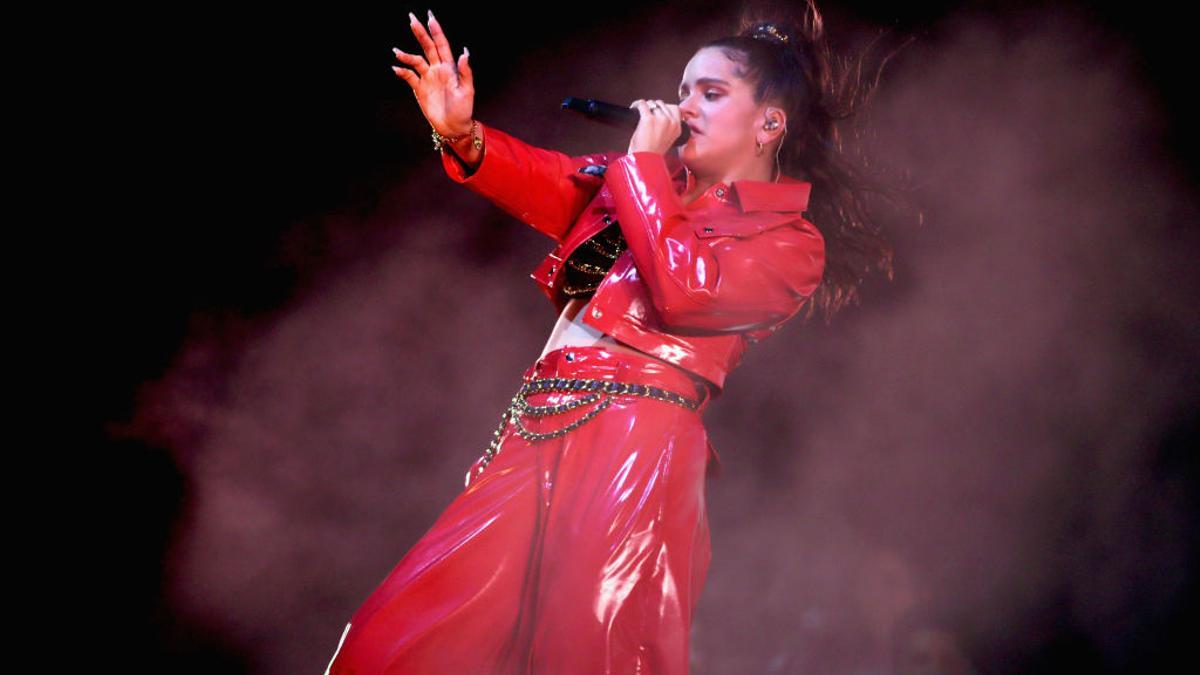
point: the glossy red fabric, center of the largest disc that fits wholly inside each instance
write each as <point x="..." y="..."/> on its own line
<point x="698" y="283"/>
<point x="577" y="555"/>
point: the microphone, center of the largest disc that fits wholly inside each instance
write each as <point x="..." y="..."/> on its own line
<point x="614" y="115"/>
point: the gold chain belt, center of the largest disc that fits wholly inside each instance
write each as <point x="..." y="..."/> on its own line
<point x="597" y="388"/>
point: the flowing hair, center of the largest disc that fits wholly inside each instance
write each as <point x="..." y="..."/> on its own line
<point x="790" y="61"/>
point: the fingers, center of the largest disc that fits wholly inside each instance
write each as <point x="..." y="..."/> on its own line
<point x="643" y="107"/>
<point x="408" y="76"/>
<point x="430" y="49"/>
<point x="439" y="39"/>
<point x="465" y="75"/>
<point x="413" y="60"/>
<point x="664" y="107"/>
<point x="672" y="111"/>
<point x="667" y="110"/>
<point x="437" y="51"/>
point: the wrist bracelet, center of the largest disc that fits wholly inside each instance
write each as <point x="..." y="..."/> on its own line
<point x="439" y="139"/>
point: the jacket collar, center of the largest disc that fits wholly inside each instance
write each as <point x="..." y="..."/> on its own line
<point x="789" y="194"/>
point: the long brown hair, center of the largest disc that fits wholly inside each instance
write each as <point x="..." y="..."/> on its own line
<point x="820" y="94"/>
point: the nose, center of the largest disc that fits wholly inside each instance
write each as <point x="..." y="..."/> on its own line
<point x="687" y="108"/>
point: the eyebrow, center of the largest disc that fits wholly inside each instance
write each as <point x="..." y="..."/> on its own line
<point x="706" y="80"/>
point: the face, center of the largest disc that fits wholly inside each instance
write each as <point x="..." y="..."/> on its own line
<point x="720" y="107"/>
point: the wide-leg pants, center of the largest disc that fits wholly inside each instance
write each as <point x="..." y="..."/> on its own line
<point x="575" y="555"/>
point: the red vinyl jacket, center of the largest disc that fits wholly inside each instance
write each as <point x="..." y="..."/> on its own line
<point x="697" y="281"/>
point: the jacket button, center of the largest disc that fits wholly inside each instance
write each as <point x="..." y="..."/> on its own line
<point x="596" y="312"/>
<point x="607" y="220"/>
<point x="708" y="229"/>
<point x="552" y="268"/>
<point x="570" y="356"/>
<point x="720" y="192"/>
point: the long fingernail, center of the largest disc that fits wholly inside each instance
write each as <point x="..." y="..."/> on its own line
<point x="430" y="14"/>
<point x="412" y="18"/>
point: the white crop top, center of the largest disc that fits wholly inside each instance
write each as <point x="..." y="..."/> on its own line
<point x="572" y="331"/>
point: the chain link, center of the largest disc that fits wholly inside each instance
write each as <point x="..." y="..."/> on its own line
<point x="597" y="389"/>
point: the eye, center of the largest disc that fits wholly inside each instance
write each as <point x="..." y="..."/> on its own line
<point x="707" y="94"/>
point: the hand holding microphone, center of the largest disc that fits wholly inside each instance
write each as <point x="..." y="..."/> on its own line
<point x="654" y="129"/>
<point x="659" y="127"/>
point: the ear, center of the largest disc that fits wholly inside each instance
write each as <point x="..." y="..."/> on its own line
<point x="776" y="119"/>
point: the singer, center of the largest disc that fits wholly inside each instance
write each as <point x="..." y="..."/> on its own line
<point x="580" y="542"/>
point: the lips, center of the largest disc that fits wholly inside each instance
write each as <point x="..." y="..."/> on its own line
<point x="694" y="129"/>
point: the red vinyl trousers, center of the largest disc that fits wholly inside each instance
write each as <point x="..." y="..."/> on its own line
<point x="576" y="555"/>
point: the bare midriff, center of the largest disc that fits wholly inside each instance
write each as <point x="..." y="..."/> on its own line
<point x="571" y="331"/>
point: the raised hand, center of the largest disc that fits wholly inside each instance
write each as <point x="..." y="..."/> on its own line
<point x="444" y="89"/>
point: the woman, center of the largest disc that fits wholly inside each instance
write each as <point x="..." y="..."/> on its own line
<point x="581" y="543"/>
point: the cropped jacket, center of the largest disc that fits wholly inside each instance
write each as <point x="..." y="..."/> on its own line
<point x="697" y="281"/>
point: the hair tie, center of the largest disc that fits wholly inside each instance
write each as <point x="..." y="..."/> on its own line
<point x="768" y="32"/>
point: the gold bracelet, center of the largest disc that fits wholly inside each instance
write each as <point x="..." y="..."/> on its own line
<point x="439" y="139"/>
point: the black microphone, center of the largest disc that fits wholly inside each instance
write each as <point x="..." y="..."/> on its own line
<point x="615" y="115"/>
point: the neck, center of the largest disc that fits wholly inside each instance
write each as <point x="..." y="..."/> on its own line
<point x="698" y="186"/>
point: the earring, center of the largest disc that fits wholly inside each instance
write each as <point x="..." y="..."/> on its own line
<point x="758" y="146"/>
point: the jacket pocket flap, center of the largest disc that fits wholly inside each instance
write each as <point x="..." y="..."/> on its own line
<point x="743" y="226"/>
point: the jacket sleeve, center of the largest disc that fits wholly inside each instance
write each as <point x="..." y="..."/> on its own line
<point x="735" y="272"/>
<point x="542" y="188"/>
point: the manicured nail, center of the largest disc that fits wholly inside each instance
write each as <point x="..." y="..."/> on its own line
<point x="430" y="14"/>
<point x="467" y="52"/>
<point x="412" y="18"/>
